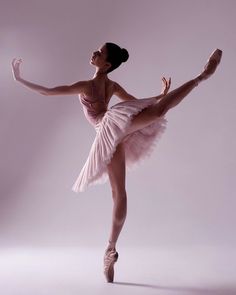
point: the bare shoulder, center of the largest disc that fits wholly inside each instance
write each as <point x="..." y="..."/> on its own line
<point x="112" y="86"/>
<point x="117" y="88"/>
<point x="81" y="86"/>
<point x="121" y="92"/>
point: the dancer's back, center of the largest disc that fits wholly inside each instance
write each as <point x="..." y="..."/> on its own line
<point x="95" y="103"/>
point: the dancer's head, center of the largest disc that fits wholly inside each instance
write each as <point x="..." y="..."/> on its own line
<point x="109" y="57"/>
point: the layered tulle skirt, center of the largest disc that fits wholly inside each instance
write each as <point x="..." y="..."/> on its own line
<point x="111" y="129"/>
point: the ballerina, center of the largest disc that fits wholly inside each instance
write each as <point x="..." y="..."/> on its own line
<point x="125" y="133"/>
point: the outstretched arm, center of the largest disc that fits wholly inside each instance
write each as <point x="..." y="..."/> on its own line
<point x="74" y="88"/>
<point x="124" y="95"/>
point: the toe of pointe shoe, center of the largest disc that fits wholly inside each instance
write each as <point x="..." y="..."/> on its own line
<point x="216" y="55"/>
<point x="211" y="65"/>
<point x="109" y="260"/>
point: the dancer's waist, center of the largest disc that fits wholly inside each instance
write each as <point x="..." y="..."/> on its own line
<point x="94" y="117"/>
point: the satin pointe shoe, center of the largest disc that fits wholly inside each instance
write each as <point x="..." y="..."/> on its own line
<point x="110" y="257"/>
<point x="211" y="65"/>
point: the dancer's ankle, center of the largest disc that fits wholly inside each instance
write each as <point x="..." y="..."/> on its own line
<point x="198" y="79"/>
<point x="111" y="245"/>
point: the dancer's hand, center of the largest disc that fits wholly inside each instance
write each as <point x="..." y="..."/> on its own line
<point x="16" y="68"/>
<point x="165" y="85"/>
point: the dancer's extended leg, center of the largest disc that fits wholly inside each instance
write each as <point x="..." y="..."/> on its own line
<point x="173" y="98"/>
<point x="150" y="114"/>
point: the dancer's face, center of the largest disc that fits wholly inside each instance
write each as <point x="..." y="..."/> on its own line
<point x="99" y="57"/>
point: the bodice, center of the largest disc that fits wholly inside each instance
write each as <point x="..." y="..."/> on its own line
<point x="94" y="107"/>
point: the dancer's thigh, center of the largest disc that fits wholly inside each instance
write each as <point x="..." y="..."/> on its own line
<point x="147" y="116"/>
<point x="116" y="170"/>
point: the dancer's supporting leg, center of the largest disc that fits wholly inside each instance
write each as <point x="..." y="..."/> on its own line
<point x="116" y="172"/>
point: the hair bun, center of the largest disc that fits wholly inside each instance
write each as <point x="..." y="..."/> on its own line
<point x="124" y="55"/>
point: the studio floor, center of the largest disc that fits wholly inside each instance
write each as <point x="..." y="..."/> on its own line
<point x="68" y="271"/>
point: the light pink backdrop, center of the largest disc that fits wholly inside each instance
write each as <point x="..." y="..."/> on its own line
<point x="185" y="193"/>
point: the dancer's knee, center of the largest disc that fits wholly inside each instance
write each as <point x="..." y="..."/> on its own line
<point x="161" y="109"/>
<point x="118" y="193"/>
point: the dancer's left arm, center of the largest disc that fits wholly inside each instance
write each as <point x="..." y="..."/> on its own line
<point x="124" y="95"/>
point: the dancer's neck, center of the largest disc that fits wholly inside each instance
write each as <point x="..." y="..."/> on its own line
<point x="100" y="75"/>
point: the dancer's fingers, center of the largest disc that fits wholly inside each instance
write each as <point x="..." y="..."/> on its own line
<point x="14" y="61"/>
<point x="164" y="80"/>
<point x="169" y="81"/>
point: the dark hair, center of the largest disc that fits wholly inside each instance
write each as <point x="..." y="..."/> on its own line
<point x="115" y="55"/>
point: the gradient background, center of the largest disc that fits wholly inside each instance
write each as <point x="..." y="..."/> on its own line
<point x="184" y="195"/>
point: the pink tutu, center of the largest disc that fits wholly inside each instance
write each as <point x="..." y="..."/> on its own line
<point x="111" y="128"/>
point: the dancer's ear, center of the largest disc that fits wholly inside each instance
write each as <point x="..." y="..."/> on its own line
<point x="108" y="65"/>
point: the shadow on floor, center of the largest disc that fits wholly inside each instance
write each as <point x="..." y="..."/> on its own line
<point x="205" y="291"/>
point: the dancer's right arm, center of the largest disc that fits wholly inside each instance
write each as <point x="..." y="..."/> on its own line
<point x="74" y="88"/>
<point x="124" y="95"/>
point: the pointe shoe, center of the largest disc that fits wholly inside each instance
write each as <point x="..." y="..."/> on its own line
<point x="110" y="257"/>
<point x="211" y="65"/>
